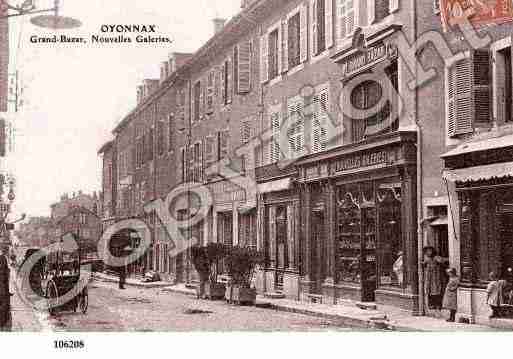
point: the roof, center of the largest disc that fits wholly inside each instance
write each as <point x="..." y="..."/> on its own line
<point x="483" y="145"/>
<point x="228" y="30"/>
<point x="105" y="147"/>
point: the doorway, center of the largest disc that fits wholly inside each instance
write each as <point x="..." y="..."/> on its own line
<point x="318" y="251"/>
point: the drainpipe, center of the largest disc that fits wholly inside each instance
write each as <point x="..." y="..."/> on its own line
<point x="420" y="228"/>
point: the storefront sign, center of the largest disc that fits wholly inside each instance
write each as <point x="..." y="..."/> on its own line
<point x="367" y="58"/>
<point x="362" y="160"/>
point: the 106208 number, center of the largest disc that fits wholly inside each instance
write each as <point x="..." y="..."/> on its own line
<point x="68" y="344"/>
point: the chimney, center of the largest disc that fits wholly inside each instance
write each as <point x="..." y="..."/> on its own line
<point x="140" y="94"/>
<point x="218" y="24"/>
<point x="163" y="71"/>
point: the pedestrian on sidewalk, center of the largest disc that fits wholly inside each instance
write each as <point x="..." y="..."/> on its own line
<point x="5" y="293"/>
<point x="494" y="294"/>
<point x="122" y="277"/>
<point x="450" y="301"/>
<point x="432" y="277"/>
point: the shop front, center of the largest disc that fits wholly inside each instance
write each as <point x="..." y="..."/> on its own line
<point x="278" y="208"/>
<point x="358" y="218"/>
<point x="482" y="175"/>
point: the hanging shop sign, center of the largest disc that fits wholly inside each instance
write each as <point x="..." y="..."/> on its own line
<point x="367" y="58"/>
<point x="477" y="12"/>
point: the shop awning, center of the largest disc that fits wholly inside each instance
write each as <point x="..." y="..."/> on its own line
<point x="245" y="209"/>
<point x="439" y="221"/>
<point x="477" y="173"/>
<point x="274" y="186"/>
<point x="483" y="145"/>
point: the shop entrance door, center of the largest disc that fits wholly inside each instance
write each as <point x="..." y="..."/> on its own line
<point x="368" y="258"/>
<point x="506" y="243"/>
<point x="318" y="251"/>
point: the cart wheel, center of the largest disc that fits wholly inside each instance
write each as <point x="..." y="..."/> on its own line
<point x="52" y="297"/>
<point x="84" y="301"/>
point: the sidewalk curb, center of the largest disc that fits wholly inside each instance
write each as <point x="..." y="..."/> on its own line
<point x="263" y="303"/>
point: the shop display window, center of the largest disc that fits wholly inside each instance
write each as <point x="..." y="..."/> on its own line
<point x="391" y="261"/>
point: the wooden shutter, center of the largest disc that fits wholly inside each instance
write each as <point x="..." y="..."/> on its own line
<point x="217" y="82"/>
<point x="223" y="83"/>
<point x="313" y="27"/>
<point x="264" y="56"/>
<point x="303" y="51"/>
<point x="244" y="67"/>
<point x="245" y="131"/>
<point x="328" y="22"/>
<point x="279" y="52"/>
<point x="229" y="87"/>
<point x="285" y="45"/>
<point x="201" y="99"/>
<point x="319" y="121"/>
<point x="460" y="116"/>
<point x="274" y="151"/>
<point x="350" y="15"/>
<point x="482" y="88"/>
<point x="341" y="20"/>
<point x="394" y="5"/>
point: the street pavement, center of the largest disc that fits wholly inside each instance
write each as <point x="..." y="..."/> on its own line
<point x="151" y="309"/>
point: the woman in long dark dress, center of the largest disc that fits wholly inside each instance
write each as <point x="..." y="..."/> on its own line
<point x="433" y="278"/>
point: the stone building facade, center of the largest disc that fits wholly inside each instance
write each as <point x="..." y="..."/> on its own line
<point x="341" y="204"/>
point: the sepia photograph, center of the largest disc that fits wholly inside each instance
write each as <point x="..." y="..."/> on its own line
<point x="325" y="168"/>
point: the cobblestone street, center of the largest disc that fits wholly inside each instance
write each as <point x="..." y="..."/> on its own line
<point x="133" y="309"/>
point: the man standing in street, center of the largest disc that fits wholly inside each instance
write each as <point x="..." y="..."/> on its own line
<point x="5" y="294"/>
<point x="122" y="276"/>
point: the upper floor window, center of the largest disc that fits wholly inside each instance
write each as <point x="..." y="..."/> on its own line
<point x="346" y="18"/>
<point x="502" y="85"/>
<point x="320" y="14"/>
<point x="222" y="144"/>
<point x="468" y="101"/>
<point x="226" y="82"/>
<point x="294" y="40"/>
<point x="170" y="130"/>
<point x="197" y="100"/>
<point x="295" y="128"/>
<point x="242" y="66"/>
<point x="366" y="96"/>
<point x="381" y="9"/>
<point x="274" y="49"/>
<point x="160" y="137"/>
<point x="210" y="92"/>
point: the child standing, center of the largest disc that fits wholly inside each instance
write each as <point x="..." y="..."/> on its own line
<point x="451" y="294"/>
<point x="494" y="295"/>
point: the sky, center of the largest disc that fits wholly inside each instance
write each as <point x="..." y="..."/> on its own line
<point x="75" y="94"/>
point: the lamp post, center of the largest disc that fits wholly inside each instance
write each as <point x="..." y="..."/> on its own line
<point x="54" y="21"/>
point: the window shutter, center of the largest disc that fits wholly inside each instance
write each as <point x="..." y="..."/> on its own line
<point x="350" y="11"/>
<point x="217" y="82"/>
<point x="313" y="31"/>
<point x="229" y="87"/>
<point x="223" y="83"/>
<point x="460" y="119"/>
<point x="244" y="67"/>
<point x="482" y="88"/>
<point x="201" y="99"/>
<point x="303" y="33"/>
<point x="319" y="119"/>
<point x="328" y="22"/>
<point x="285" y="45"/>
<point x="394" y="5"/>
<point x="342" y="20"/>
<point x="245" y="131"/>
<point x="264" y="63"/>
<point x="274" y="151"/>
<point x="280" y="49"/>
